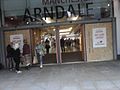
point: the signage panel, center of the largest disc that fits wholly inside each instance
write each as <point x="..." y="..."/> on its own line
<point x="99" y="37"/>
<point x="18" y="38"/>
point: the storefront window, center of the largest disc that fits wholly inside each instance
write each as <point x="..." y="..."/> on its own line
<point x="34" y="12"/>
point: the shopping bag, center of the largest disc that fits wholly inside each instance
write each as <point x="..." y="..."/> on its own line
<point x="35" y="61"/>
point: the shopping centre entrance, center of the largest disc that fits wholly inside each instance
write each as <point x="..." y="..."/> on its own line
<point x="62" y="44"/>
<point x="72" y="31"/>
<point x="69" y="43"/>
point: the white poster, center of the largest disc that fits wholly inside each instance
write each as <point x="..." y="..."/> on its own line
<point x="99" y="37"/>
<point x="18" y="38"/>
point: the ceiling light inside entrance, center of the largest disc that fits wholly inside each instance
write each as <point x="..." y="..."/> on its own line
<point x="66" y="30"/>
<point x="65" y="33"/>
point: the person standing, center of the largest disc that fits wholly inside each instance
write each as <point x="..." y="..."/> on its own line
<point x="40" y="51"/>
<point x="62" y="43"/>
<point x="10" y="51"/>
<point x="47" y="46"/>
<point x="16" y="57"/>
<point x="26" y="54"/>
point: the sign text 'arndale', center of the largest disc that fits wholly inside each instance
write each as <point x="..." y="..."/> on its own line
<point x="59" y="11"/>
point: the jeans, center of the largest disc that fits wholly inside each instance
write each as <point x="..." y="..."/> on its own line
<point x="40" y="59"/>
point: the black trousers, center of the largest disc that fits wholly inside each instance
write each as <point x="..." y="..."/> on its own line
<point x="47" y="50"/>
<point x="17" y="63"/>
<point x="10" y="62"/>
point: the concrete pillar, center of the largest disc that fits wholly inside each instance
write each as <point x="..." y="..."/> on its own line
<point x="0" y="15"/>
<point x="117" y="15"/>
<point x="2" y="48"/>
<point x="58" y="49"/>
<point x="0" y="27"/>
<point x="2" y="53"/>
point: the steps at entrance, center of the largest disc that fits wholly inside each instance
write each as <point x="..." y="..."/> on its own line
<point x="72" y="56"/>
<point x="50" y="58"/>
<point x="66" y="57"/>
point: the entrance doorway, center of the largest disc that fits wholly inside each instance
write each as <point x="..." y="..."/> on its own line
<point x="47" y="35"/>
<point x="71" y="51"/>
<point x="71" y="42"/>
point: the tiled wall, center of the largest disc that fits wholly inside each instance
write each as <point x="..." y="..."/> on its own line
<point x="25" y="33"/>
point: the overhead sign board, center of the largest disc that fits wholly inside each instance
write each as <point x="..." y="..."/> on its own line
<point x="55" y="9"/>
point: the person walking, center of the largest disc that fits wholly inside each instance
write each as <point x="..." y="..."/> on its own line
<point x="10" y="51"/>
<point x="16" y="57"/>
<point x="47" y="46"/>
<point x="62" y="43"/>
<point x="40" y="51"/>
<point x="26" y="54"/>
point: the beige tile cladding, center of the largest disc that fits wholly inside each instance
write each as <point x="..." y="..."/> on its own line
<point x="26" y="35"/>
<point x="98" y="54"/>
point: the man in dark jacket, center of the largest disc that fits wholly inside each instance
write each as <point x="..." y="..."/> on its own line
<point x="16" y="57"/>
<point x="26" y="54"/>
<point x="62" y="43"/>
<point x="47" y="46"/>
<point x="10" y="51"/>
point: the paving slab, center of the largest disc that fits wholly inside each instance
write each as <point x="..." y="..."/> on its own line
<point x="77" y="76"/>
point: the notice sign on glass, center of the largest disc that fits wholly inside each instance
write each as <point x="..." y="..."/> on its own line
<point x="99" y="37"/>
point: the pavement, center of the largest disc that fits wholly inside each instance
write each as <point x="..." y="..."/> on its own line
<point x="79" y="76"/>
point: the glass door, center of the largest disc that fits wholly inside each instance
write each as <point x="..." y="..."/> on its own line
<point x="71" y="43"/>
<point x="47" y="35"/>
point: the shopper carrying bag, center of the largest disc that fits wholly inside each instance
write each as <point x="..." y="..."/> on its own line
<point x="35" y="61"/>
<point x="40" y="52"/>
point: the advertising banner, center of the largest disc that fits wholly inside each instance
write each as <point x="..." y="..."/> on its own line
<point x="18" y="38"/>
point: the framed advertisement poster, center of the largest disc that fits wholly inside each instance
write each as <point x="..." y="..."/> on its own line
<point x="99" y="38"/>
<point x="18" y="38"/>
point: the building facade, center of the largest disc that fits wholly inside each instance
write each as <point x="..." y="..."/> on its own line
<point x="73" y="30"/>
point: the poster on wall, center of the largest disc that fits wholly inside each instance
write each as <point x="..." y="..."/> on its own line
<point x="17" y="38"/>
<point x="99" y="38"/>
